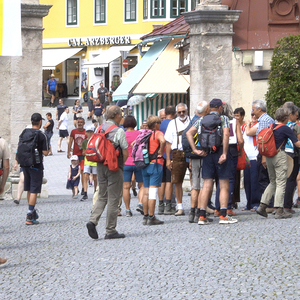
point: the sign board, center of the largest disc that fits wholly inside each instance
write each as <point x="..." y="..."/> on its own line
<point x="125" y="63"/>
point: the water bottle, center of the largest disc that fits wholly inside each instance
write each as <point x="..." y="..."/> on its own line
<point x="146" y="156"/>
<point x="37" y="156"/>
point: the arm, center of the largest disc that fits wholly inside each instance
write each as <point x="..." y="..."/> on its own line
<point x="190" y="136"/>
<point x="250" y="131"/>
<point x="16" y="165"/>
<point x="78" y="174"/>
<point x="5" y="174"/>
<point x="59" y="122"/>
<point x="226" y="135"/>
<point x="239" y="136"/>
<point x="168" y="154"/>
<point x="69" y="176"/>
<point x="45" y="152"/>
<point x="162" y="143"/>
<point x="47" y="88"/>
<point x="125" y="154"/>
<point x="70" y="146"/>
<point x="47" y="124"/>
<point x="73" y="111"/>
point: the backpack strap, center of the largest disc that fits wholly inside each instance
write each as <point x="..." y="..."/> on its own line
<point x="110" y="128"/>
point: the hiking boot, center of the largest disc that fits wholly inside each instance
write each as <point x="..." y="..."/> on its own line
<point x="145" y="220"/>
<point x="30" y="220"/>
<point x="217" y="213"/>
<point x="161" y="209"/>
<point x="290" y="210"/>
<point x="179" y="212"/>
<point x="128" y="213"/>
<point x="154" y="221"/>
<point x="139" y="208"/>
<point x="202" y="221"/>
<point x="196" y="219"/>
<point x="270" y="210"/>
<point x="191" y="216"/>
<point x="282" y="214"/>
<point x="114" y="236"/>
<point x="84" y="198"/>
<point x="92" y="230"/>
<point x="261" y="210"/>
<point x="230" y="212"/>
<point x="169" y="210"/>
<point x="227" y="220"/>
<point x="17" y="201"/>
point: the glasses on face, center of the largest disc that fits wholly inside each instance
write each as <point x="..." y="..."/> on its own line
<point x="252" y="115"/>
<point x="181" y="112"/>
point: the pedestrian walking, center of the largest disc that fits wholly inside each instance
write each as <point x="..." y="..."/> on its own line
<point x="63" y="128"/>
<point x="48" y="127"/>
<point x="74" y="176"/>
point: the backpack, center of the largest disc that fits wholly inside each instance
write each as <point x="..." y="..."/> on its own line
<point x="86" y="97"/>
<point x="27" y="153"/>
<point x="211" y="135"/>
<point x="100" y="149"/>
<point x="140" y="150"/>
<point x="266" y="141"/>
<point x="186" y="145"/>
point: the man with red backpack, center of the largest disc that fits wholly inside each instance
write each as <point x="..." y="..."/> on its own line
<point x="110" y="182"/>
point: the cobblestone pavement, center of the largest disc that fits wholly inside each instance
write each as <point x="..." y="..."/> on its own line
<point x="255" y="258"/>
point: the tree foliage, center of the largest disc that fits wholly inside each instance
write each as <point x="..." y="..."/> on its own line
<point x="284" y="78"/>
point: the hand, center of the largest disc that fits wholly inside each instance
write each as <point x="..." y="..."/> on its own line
<point x="74" y="177"/>
<point x="222" y="159"/>
<point x="68" y="155"/>
<point x="264" y="162"/>
<point x="57" y="127"/>
<point x="200" y="152"/>
<point x="169" y="165"/>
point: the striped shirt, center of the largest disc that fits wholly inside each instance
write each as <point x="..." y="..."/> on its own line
<point x="264" y="121"/>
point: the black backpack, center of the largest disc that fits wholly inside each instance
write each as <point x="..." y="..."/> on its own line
<point x="27" y="153"/>
<point x="186" y="145"/>
<point x="211" y="135"/>
<point x="85" y="97"/>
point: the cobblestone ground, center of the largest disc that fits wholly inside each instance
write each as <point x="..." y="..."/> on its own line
<point x="256" y="258"/>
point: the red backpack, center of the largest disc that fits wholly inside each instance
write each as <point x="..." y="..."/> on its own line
<point x="101" y="150"/>
<point x="266" y="141"/>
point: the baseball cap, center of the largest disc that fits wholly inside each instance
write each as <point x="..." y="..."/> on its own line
<point x="215" y="103"/>
<point x="90" y="128"/>
<point x="74" y="157"/>
<point x="36" y="117"/>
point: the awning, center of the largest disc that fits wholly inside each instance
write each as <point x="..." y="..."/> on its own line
<point x="53" y="57"/>
<point x="139" y="70"/>
<point x="107" y="56"/>
<point x="163" y="78"/>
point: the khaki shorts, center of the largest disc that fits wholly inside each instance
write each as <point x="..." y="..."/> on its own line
<point x="179" y="166"/>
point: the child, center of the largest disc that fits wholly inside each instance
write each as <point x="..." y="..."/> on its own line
<point x="74" y="176"/>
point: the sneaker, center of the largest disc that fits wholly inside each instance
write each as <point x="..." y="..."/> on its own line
<point x="179" y="212"/>
<point x="169" y="210"/>
<point x="128" y="213"/>
<point x="145" y="220"/>
<point x="191" y="216"/>
<point x="217" y="213"/>
<point x="17" y="201"/>
<point x="161" y="209"/>
<point x="290" y="210"/>
<point x="282" y="214"/>
<point x="139" y="208"/>
<point x="114" y="236"/>
<point x="35" y="215"/>
<point x="297" y="204"/>
<point x="84" y="198"/>
<point x="92" y="230"/>
<point x="262" y="210"/>
<point x="134" y="192"/>
<point x="82" y="192"/>
<point x="230" y="212"/>
<point x="30" y="220"/>
<point x="154" y="221"/>
<point x="227" y="220"/>
<point x="202" y="221"/>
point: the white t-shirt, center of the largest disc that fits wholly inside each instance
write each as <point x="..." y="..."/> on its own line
<point x="65" y="120"/>
<point x="232" y="132"/>
<point x="171" y="133"/>
<point x="249" y="147"/>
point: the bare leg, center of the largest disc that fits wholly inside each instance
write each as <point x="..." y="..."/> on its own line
<point x="20" y="186"/>
<point x="141" y="192"/>
<point x="194" y="197"/>
<point x="161" y="191"/>
<point x="59" y="144"/>
<point x="145" y="200"/>
<point x="126" y="194"/>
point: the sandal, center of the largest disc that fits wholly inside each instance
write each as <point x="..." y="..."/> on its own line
<point x="254" y="208"/>
<point x="245" y="208"/>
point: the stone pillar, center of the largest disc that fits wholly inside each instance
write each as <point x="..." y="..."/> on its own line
<point x="21" y="77"/>
<point x="211" y="31"/>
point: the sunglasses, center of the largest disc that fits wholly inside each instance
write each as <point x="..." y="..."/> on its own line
<point x="181" y="112"/>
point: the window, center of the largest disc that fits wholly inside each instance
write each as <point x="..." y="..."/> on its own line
<point x="158" y="8"/>
<point x="72" y="74"/>
<point x="130" y="10"/>
<point x="100" y="9"/>
<point x="178" y="7"/>
<point x="72" y="12"/>
<point x="145" y="9"/>
<point x="194" y="3"/>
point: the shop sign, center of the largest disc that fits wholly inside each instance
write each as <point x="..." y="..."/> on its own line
<point x="117" y="40"/>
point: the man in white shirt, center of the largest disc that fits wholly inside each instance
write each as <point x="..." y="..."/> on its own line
<point x="63" y="128"/>
<point x="177" y="162"/>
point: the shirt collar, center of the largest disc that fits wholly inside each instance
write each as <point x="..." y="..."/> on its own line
<point x="261" y="117"/>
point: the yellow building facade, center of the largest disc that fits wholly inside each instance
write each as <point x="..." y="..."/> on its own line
<point x="86" y="42"/>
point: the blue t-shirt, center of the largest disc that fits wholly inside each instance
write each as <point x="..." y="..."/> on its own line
<point x="163" y="128"/>
<point x="98" y="109"/>
<point x="52" y="84"/>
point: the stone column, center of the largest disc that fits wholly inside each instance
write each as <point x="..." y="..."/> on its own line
<point x="21" y="77"/>
<point x="211" y="30"/>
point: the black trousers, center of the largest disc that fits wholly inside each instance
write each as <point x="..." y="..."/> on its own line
<point x="291" y="185"/>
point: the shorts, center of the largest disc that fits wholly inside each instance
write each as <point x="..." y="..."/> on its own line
<point x="63" y="133"/>
<point x="166" y="173"/>
<point x="90" y="105"/>
<point x="33" y="179"/>
<point x="197" y="181"/>
<point x="90" y="169"/>
<point x="152" y="175"/>
<point x="128" y="170"/>
<point x="52" y="92"/>
<point x="211" y="168"/>
<point x="179" y="166"/>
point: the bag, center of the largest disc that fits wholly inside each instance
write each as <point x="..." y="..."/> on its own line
<point x="100" y="149"/>
<point x="186" y="145"/>
<point x="241" y="164"/>
<point x="27" y="153"/>
<point x="266" y="141"/>
<point x="140" y="150"/>
<point x="211" y="135"/>
<point x="78" y="115"/>
<point x="85" y="97"/>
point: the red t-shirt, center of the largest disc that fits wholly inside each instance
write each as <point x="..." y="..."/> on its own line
<point x="130" y="137"/>
<point x="154" y="144"/>
<point x="78" y="137"/>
